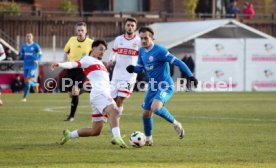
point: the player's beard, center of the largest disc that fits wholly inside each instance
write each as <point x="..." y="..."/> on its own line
<point x="130" y="33"/>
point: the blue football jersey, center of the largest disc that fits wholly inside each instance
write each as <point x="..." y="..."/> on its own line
<point x="30" y="53"/>
<point x="155" y="63"/>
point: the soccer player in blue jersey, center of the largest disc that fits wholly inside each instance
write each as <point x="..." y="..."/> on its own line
<point x="31" y="55"/>
<point x="154" y="60"/>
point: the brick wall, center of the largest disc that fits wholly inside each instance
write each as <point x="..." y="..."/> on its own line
<point x="158" y="5"/>
<point x="168" y="6"/>
<point x="47" y="5"/>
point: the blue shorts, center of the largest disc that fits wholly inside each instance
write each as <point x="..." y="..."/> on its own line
<point x="162" y="95"/>
<point x="30" y="73"/>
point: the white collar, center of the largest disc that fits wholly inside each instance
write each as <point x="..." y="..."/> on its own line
<point x="147" y="50"/>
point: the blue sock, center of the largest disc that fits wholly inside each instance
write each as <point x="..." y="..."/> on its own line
<point x="148" y="125"/>
<point x="164" y="113"/>
<point x="27" y="89"/>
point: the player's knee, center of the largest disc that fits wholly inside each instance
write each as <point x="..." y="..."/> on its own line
<point x="112" y="110"/>
<point x="154" y="107"/>
<point x="147" y="113"/>
<point x="120" y="101"/>
<point x="75" y="91"/>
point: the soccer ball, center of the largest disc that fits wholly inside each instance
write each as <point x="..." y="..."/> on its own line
<point x="137" y="139"/>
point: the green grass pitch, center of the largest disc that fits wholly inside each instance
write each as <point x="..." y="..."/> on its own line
<point x="222" y="130"/>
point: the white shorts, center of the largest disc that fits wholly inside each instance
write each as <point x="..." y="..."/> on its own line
<point x="122" y="88"/>
<point x="98" y="104"/>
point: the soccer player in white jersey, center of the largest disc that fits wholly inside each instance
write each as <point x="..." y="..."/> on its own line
<point x="102" y="103"/>
<point x="124" y="53"/>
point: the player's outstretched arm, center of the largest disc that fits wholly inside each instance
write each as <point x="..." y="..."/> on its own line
<point x="65" y="65"/>
<point x="183" y="68"/>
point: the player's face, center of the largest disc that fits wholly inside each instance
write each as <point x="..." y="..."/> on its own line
<point x="146" y="39"/>
<point x="29" y="38"/>
<point x="99" y="51"/>
<point x="81" y="32"/>
<point x="130" y="27"/>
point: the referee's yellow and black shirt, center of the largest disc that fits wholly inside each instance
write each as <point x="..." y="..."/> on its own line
<point x="77" y="49"/>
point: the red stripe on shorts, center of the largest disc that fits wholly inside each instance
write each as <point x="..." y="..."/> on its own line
<point x="99" y="115"/>
<point x="126" y="92"/>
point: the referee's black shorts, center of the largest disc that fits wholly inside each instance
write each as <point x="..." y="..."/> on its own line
<point x="74" y="76"/>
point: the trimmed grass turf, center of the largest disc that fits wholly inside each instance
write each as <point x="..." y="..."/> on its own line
<point x="222" y="130"/>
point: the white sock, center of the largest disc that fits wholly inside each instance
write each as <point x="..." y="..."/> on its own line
<point x="148" y="138"/>
<point x="174" y="122"/>
<point x="116" y="132"/>
<point x="120" y="109"/>
<point x="74" y="134"/>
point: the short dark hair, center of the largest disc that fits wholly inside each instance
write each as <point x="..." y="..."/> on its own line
<point x="131" y="19"/>
<point x="81" y="24"/>
<point x="96" y="43"/>
<point x="146" y="29"/>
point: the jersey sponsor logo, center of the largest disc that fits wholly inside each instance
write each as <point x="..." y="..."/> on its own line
<point x="134" y="45"/>
<point x="148" y="68"/>
<point x="127" y="51"/>
<point x="28" y="54"/>
<point x="32" y="49"/>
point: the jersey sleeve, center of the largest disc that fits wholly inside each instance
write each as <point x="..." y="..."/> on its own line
<point x="83" y="62"/>
<point x="2" y="53"/>
<point x="184" y="68"/>
<point x="22" y="53"/>
<point x="112" y="56"/>
<point x="140" y="62"/>
<point x="67" y="46"/>
<point x="38" y="52"/>
<point x="68" y="65"/>
<point x="115" y="46"/>
<point x="140" y="65"/>
<point x="163" y="53"/>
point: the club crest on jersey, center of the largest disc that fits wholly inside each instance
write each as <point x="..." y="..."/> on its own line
<point x="134" y="45"/>
<point x="151" y="58"/>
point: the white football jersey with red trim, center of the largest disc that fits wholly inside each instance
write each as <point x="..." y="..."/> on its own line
<point x="126" y="54"/>
<point x="97" y="74"/>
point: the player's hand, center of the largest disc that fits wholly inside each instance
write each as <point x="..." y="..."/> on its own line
<point x="54" y="66"/>
<point x="193" y="81"/>
<point x="130" y="69"/>
<point x="35" y="62"/>
<point x="109" y="63"/>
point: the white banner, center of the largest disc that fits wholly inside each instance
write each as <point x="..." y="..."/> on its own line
<point x="220" y="64"/>
<point x="260" y="65"/>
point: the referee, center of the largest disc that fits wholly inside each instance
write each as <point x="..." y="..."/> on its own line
<point x="75" y="48"/>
